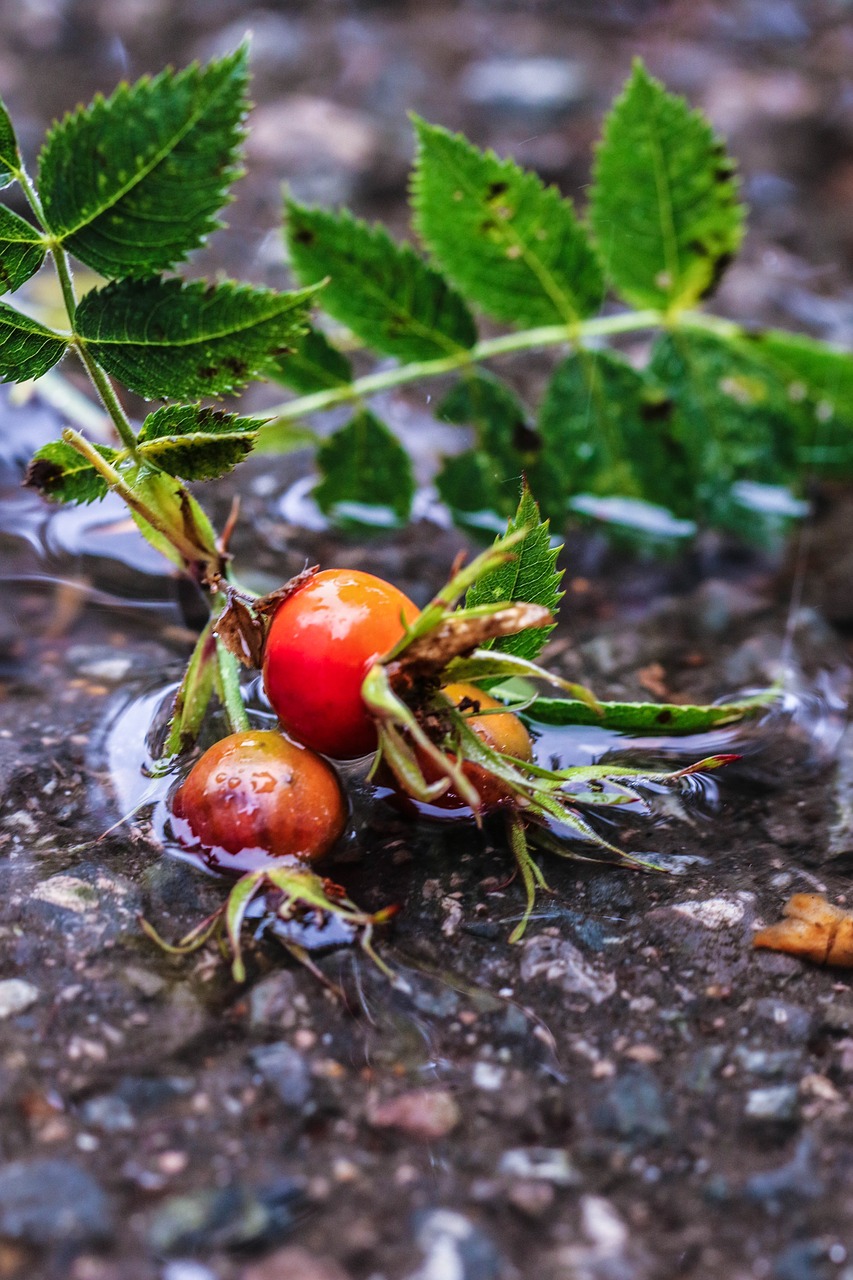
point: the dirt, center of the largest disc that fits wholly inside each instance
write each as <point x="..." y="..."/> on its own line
<point x="633" y="1092"/>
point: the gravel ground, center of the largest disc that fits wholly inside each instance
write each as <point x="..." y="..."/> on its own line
<point x="633" y="1093"/>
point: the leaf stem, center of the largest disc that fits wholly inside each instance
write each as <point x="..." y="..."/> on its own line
<point x="185" y="549"/>
<point x="504" y="344"/>
<point x="105" y="389"/>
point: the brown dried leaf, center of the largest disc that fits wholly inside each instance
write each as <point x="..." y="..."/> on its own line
<point x="241" y="631"/>
<point x="267" y="605"/>
<point x="813" y="929"/>
<point x="458" y="635"/>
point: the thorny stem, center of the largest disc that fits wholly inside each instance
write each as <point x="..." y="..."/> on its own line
<point x="505" y="344"/>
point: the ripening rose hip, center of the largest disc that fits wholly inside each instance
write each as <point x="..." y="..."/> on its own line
<point x="256" y="795"/>
<point x="321" y="643"/>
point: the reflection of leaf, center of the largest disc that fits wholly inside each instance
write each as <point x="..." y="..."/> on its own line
<point x="813" y="929"/>
<point x="643" y="717"/>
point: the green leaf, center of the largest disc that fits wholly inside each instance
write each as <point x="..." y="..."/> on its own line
<point x="473" y="488"/>
<point x="162" y="338"/>
<point x="385" y="293"/>
<point x="196" y="443"/>
<point x="313" y="365"/>
<point x="61" y="474"/>
<point x="530" y="576"/>
<point x="823" y="377"/>
<point x="176" y="506"/>
<point x="27" y="349"/>
<point x="366" y="474"/>
<point x="10" y="156"/>
<point x="733" y="416"/>
<point x="604" y="431"/>
<point x="644" y="717"/>
<point x="22" y="250"/>
<point x="133" y="183"/>
<point x="664" y="203"/>
<point x="512" y="245"/>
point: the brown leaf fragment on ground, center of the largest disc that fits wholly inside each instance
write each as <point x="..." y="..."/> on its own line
<point x="813" y="929"/>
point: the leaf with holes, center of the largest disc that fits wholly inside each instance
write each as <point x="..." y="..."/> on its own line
<point x="530" y="576"/>
<point x="512" y="245"/>
<point x="133" y="183"/>
<point x="194" y="442"/>
<point x="162" y="338"/>
<point x="61" y="474"/>
<point x="664" y="203"/>
<point x="366" y="474"/>
<point x="383" y="291"/>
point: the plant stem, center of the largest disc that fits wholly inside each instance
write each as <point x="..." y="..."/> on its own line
<point x="106" y="391"/>
<point x="489" y="348"/>
<point x="229" y="689"/>
<point x="187" y="550"/>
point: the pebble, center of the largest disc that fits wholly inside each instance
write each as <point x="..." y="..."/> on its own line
<point x="184" y="1269"/>
<point x="46" y="1201"/>
<point x="423" y="1114"/>
<point x="775" y="1103"/>
<point x="531" y="85"/>
<point x="454" y="1249"/>
<point x="86" y="909"/>
<point x="766" y="1062"/>
<point x="294" y="1263"/>
<point x="232" y="1217"/>
<point x="633" y="1107"/>
<point x="790" y="1183"/>
<point x="559" y="961"/>
<point x="286" y="1071"/>
<point x="791" y="1022"/>
<point x="716" y="913"/>
<point x="803" y="1260"/>
<point x="271" y="1001"/>
<point x="540" y="1164"/>
<point x="109" y="1113"/>
<point x="16" y="995"/>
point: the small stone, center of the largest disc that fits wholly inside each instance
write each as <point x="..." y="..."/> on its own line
<point x="533" y="1199"/>
<point x="16" y="995"/>
<point x="716" y="913"/>
<point x="559" y="961"/>
<point x="52" y="1202"/>
<point x="454" y="1249"/>
<point x="423" y="1114"/>
<point x="294" y="1263"/>
<point x="776" y="1103"/>
<point x="109" y="1113"/>
<point x="271" y="1001"/>
<point x="767" y="1063"/>
<point x="791" y="1022"/>
<point x="232" y="1217"/>
<point x="542" y="1164"/>
<point x="535" y="84"/>
<point x="286" y="1071"/>
<point x="633" y="1107"/>
<point x="803" y="1260"/>
<point x="488" y="1076"/>
<point x="183" y="1269"/>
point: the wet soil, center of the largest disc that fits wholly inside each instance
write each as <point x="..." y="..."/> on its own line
<point x="633" y="1093"/>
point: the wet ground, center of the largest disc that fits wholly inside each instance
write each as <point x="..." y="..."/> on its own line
<point x="631" y="1094"/>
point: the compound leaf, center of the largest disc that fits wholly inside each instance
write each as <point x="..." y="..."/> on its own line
<point x="22" y="250"/>
<point x="10" y="156"/>
<point x="313" y="365"/>
<point x="162" y="338"/>
<point x="366" y="474"/>
<point x="61" y="474"/>
<point x="134" y="182"/>
<point x="530" y="576"/>
<point x="27" y="349"/>
<point x="194" y="442"/>
<point x="512" y="245"/>
<point x="664" y="203"/>
<point x="383" y="291"/>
